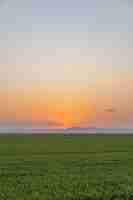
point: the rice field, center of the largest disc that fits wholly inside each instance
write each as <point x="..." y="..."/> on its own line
<point x="66" y="167"/>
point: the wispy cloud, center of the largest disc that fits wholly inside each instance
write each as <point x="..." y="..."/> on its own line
<point x="54" y="123"/>
<point x="110" y="110"/>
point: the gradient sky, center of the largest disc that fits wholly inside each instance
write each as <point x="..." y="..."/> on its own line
<point x="66" y="63"/>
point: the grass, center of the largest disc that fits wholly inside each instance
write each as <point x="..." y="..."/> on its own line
<point x="60" y="167"/>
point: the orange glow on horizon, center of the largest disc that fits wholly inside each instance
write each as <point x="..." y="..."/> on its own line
<point x="61" y="109"/>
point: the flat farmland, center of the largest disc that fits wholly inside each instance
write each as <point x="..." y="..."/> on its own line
<point x="66" y="167"/>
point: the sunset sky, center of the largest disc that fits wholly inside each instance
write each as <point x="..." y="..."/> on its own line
<point x="66" y="63"/>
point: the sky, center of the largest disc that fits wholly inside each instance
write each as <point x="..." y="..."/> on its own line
<point x="66" y="63"/>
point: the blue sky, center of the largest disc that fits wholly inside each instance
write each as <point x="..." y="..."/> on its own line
<point x="93" y="16"/>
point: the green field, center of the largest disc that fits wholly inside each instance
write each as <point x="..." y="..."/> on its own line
<point x="61" y="167"/>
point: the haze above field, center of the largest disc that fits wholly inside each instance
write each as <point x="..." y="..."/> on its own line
<point x="66" y="64"/>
